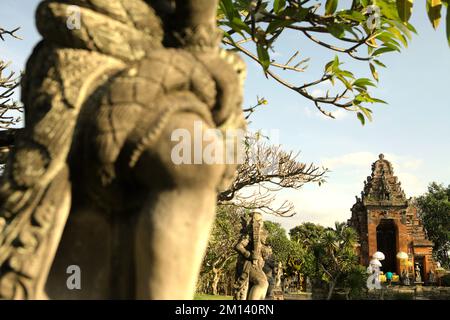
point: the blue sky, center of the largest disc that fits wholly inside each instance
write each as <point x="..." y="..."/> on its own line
<point x="412" y="131"/>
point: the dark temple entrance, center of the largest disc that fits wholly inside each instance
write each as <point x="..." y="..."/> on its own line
<point x="387" y="243"/>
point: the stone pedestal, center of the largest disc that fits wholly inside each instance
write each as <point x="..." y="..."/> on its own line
<point x="277" y="294"/>
<point x="418" y="289"/>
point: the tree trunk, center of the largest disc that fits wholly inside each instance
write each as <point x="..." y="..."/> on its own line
<point x="215" y="281"/>
<point x="331" y="290"/>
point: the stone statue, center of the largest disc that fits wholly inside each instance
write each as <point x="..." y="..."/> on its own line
<point x="405" y="277"/>
<point x="418" y="277"/>
<point x="431" y="277"/>
<point x="91" y="181"/>
<point x="278" y="275"/>
<point x="269" y="268"/>
<point x="251" y="281"/>
<point x="277" y="289"/>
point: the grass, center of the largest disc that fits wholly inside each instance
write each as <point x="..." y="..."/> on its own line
<point x="201" y="296"/>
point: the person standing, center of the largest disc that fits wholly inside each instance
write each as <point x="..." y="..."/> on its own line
<point x="389" y="275"/>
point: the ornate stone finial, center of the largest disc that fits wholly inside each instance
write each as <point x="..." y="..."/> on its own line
<point x="381" y="156"/>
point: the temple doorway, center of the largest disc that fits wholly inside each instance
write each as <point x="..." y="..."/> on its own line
<point x="387" y="243"/>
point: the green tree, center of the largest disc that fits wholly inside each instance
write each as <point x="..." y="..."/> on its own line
<point x="302" y="261"/>
<point x="279" y="242"/>
<point x="435" y="212"/>
<point x="295" y="258"/>
<point x="362" y="30"/>
<point x="329" y="257"/>
<point x="307" y="234"/>
<point x="220" y="256"/>
<point x="335" y="255"/>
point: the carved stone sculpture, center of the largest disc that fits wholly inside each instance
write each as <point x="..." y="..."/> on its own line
<point x="269" y="268"/>
<point x="418" y="276"/>
<point x="251" y="281"/>
<point x="278" y="275"/>
<point x="91" y="181"/>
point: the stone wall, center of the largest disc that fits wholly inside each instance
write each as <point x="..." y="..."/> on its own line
<point x="409" y="293"/>
<point x="393" y="293"/>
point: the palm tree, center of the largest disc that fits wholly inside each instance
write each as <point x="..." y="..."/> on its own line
<point x="335" y="254"/>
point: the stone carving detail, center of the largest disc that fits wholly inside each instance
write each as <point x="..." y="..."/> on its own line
<point x="418" y="277"/>
<point x="94" y="158"/>
<point x="382" y="185"/>
<point x="278" y="275"/>
<point x="251" y="281"/>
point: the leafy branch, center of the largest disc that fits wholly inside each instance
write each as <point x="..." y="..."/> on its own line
<point x="252" y="27"/>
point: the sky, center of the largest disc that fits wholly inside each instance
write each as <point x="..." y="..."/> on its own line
<point x="412" y="130"/>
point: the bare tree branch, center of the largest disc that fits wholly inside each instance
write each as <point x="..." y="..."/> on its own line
<point x="8" y="83"/>
<point x="266" y="170"/>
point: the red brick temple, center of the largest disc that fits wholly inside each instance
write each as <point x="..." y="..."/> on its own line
<point x="387" y="221"/>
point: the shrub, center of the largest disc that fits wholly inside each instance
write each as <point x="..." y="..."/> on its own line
<point x="445" y="280"/>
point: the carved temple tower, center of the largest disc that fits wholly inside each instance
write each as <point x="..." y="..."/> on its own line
<point x="387" y="221"/>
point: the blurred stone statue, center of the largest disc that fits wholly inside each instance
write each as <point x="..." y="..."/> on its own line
<point x="278" y="275"/>
<point x="251" y="281"/>
<point x="277" y="290"/>
<point x="405" y="277"/>
<point x="269" y="268"/>
<point x="418" y="277"/>
<point x="92" y="180"/>
<point x="431" y="277"/>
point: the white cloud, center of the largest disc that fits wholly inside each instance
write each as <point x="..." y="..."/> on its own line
<point x="340" y="114"/>
<point x="355" y="159"/>
<point x="323" y="205"/>
<point x="317" y="93"/>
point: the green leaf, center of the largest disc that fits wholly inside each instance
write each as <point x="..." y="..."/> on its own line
<point x="361" y="118"/>
<point x="363" y="82"/>
<point x="374" y="71"/>
<point x="352" y="15"/>
<point x="434" y="12"/>
<point x="228" y="9"/>
<point x="330" y="6"/>
<point x="404" y="29"/>
<point x="237" y="24"/>
<point x="263" y="57"/>
<point x="336" y="30"/>
<point x="277" y="24"/>
<point x="404" y="9"/>
<point x="345" y="82"/>
<point x="367" y="112"/>
<point x="378" y="62"/>
<point x="378" y="100"/>
<point x="347" y="74"/>
<point x="397" y="34"/>
<point x="278" y="5"/>
<point x="388" y="8"/>
<point x="382" y="50"/>
<point x="329" y="67"/>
